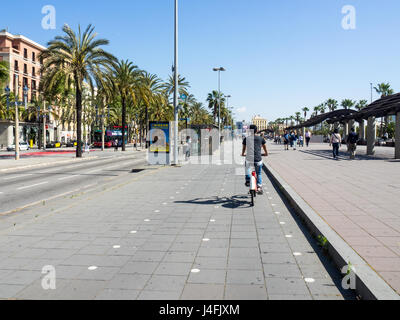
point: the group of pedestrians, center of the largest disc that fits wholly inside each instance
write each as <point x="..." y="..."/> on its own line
<point x="336" y="142"/>
<point x="293" y="140"/>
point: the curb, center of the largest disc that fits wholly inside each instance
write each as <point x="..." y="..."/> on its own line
<point x="369" y="285"/>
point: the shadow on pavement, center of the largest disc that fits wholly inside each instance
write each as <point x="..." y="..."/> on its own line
<point x="239" y="201"/>
<point x="343" y="155"/>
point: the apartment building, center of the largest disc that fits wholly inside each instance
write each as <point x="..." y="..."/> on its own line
<point x="22" y="55"/>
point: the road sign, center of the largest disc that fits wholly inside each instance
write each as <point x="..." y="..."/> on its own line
<point x="183" y="96"/>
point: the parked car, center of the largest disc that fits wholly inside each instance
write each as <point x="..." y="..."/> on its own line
<point x="71" y="143"/>
<point x="23" y="146"/>
<point x="55" y="144"/>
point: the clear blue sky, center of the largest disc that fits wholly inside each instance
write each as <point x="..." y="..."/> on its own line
<point x="280" y="56"/>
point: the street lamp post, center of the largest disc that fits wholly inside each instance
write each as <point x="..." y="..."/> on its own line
<point x="176" y="85"/>
<point x="219" y="103"/>
<point x="44" y="125"/>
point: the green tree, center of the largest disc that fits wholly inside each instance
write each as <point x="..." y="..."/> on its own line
<point x="332" y="104"/>
<point x="384" y="89"/>
<point x="348" y="103"/>
<point x="4" y="73"/>
<point x="213" y="99"/>
<point x="79" y="58"/>
<point x="361" y="105"/>
<point x="305" y="110"/>
<point x="125" y="77"/>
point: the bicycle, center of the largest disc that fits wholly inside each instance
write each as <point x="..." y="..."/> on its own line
<point x="253" y="186"/>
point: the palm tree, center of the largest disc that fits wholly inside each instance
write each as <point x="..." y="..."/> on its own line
<point x="384" y="89"/>
<point x="332" y="104"/>
<point x="78" y="57"/>
<point x="183" y="86"/>
<point x="4" y="72"/>
<point x="125" y="78"/>
<point x="298" y="114"/>
<point x="361" y="105"/>
<point x="348" y="103"/>
<point x="305" y="110"/>
<point x="316" y="110"/>
<point x="213" y="100"/>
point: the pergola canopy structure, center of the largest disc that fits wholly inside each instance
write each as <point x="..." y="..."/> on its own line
<point x="329" y="116"/>
<point x="386" y="106"/>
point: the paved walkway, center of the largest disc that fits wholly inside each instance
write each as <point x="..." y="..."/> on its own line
<point x="168" y="233"/>
<point x="359" y="199"/>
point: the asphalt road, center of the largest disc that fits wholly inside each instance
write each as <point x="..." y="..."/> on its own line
<point x="19" y="189"/>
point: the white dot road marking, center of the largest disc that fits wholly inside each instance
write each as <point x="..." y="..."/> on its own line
<point x="69" y="177"/>
<point x="164" y="204"/>
<point x="212" y="220"/>
<point x="116" y="247"/>
<point x="282" y="223"/>
<point x="277" y="212"/>
<point x="33" y="185"/>
<point x="16" y="177"/>
<point x="297" y="254"/>
<point x="146" y="220"/>
<point x="133" y="232"/>
<point x="289" y="236"/>
<point x="206" y="239"/>
<point x="172" y="198"/>
<point x="92" y="268"/>
<point x="309" y="280"/>
<point x="195" y="271"/>
<point x="157" y="211"/>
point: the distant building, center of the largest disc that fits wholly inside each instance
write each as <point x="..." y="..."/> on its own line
<point x="22" y="55"/>
<point x="260" y="122"/>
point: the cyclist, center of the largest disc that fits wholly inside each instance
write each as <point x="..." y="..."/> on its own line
<point x="253" y="143"/>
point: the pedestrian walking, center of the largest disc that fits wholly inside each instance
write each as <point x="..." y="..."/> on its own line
<point x="87" y="148"/>
<point x="188" y="147"/>
<point x="352" y="140"/>
<point x="301" y="141"/>
<point x="308" y="137"/>
<point x="286" y="140"/>
<point x="336" y="143"/>
<point x="293" y="140"/>
<point x="116" y="145"/>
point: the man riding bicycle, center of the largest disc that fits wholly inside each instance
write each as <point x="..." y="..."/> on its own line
<point x="253" y="143"/>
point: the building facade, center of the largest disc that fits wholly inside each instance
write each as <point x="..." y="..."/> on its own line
<point x="22" y="54"/>
<point x="261" y="123"/>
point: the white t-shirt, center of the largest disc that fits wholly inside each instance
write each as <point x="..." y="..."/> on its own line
<point x="336" y="138"/>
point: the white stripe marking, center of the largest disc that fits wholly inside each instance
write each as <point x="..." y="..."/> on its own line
<point x="15" y="177"/>
<point x="33" y="185"/>
<point x="69" y="177"/>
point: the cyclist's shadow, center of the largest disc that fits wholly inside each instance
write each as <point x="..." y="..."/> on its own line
<point x="238" y="201"/>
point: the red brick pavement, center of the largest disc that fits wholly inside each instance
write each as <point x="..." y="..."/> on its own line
<point x="359" y="199"/>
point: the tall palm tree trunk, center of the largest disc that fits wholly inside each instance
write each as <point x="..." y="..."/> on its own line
<point x="147" y="126"/>
<point x="78" y="121"/>
<point x="123" y="123"/>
